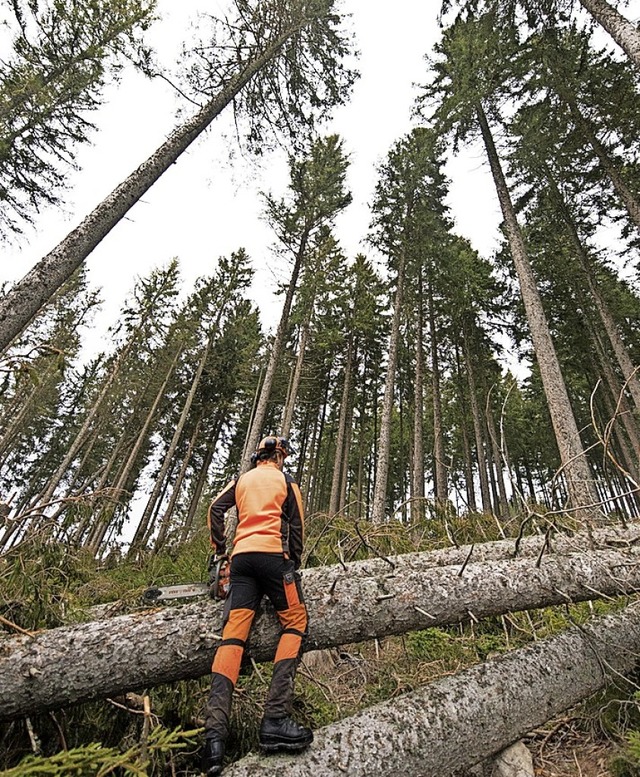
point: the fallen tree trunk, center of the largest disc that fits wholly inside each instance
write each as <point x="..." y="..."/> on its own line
<point x="460" y="720"/>
<point x="363" y="601"/>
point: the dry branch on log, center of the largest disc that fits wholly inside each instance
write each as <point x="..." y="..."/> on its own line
<point x="361" y="602"/>
<point x="462" y="719"/>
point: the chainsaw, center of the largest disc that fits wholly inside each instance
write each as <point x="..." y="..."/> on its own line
<point x="216" y="588"/>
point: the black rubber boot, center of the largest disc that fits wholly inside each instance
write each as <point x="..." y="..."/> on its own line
<point x="283" y="734"/>
<point x="212" y="756"/>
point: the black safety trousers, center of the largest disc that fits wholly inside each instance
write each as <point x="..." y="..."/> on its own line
<point x="254" y="575"/>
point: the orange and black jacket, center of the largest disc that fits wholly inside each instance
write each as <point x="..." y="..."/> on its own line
<point x="270" y="513"/>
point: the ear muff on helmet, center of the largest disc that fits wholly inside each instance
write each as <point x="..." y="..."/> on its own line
<point x="269" y="445"/>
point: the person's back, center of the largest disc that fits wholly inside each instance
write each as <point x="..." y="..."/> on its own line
<point x="267" y="549"/>
<point x="261" y="498"/>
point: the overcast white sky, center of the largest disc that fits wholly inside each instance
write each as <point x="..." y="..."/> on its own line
<point x="208" y="204"/>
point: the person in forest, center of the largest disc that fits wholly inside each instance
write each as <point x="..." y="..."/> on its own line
<point x="267" y="551"/>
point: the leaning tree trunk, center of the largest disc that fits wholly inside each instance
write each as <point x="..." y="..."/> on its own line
<point x="572" y="455"/>
<point x="165" y="521"/>
<point x="143" y="529"/>
<point x="383" y="451"/>
<point x="460" y="720"/>
<point x="629" y="370"/>
<point x="347" y="603"/>
<point x="624" y="32"/>
<point x="25" y="299"/>
<point x="622" y="190"/>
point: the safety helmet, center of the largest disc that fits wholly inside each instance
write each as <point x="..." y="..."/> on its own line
<point x="269" y="445"/>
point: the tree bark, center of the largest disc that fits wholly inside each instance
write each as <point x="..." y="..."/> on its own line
<point x="417" y="470"/>
<point x="460" y="720"/>
<point x="342" y="449"/>
<point x="292" y="396"/>
<point x="25" y="299"/>
<point x="384" y="440"/>
<point x="572" y="455"/>
<point x="440" y="486"/>
<point x="478" y="427"/>
<point x="624" y="33"/>
<point x="360" y="601"/>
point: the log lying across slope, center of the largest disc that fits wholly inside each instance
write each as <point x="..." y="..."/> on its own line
<point x="361" y="601"/>
<point x="460" y="720"/>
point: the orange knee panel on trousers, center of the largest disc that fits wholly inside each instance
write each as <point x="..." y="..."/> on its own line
<point x="294" y="617"/>
<point x="238" y="624"/>
<point x="228" y="658"/>
<point x="227" y="661"/>
<point x="288" y="647"/>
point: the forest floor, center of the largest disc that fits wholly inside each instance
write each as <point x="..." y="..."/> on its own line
<point x="571" y="754"/>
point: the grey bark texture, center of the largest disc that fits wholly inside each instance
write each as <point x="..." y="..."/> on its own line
<point x="624" y="32"/>
<point x="465" y="718"/>
<point x="383" y="451"/>
<point x="362" y="601"/>
<point x="574" y="463"/>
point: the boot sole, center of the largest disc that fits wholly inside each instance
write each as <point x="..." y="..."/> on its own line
<point x="273" y="747"/>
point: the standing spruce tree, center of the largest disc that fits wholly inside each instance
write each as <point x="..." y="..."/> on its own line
<point x="141" y="324"/>
<point x="35" y="390"/>
<point x="278" y="62"/>
<point x="205" y="311"/>
<point x="409" y="193"/>
<point x="317" y="195"/>
<point x="358" y="317"/>
<point x="476" y="62"/>
<point x="63" y="54"/>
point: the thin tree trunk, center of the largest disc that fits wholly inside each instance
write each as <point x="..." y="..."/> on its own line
<point x="618" y="409"/>
<point x="572" y="455"/>
<point x="102" y="658"/>
<point x="344" y="480"/>
<point x="26" y="298"/>
<point x="417" y="474"/>
<point x="165" y="521"/>
<point x="143" y="527"/>
<point x="255" y="431"/>
<point x="478" y="429"/>
<point x="627" y="367"/>
<point x="441" y="486"/>
<point x="197" y="492"/>
<point x="315" y="450"/>
<point x="623" y="191"/>
<point x="287" y="416"/>
<point x="341" y="446"/>
<point x="499" y="459"/>
<point x="383" y="451"/>
<point x="624" y="32"/>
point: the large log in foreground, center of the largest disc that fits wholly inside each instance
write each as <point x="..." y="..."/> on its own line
<point x="458" y="721"/>
<point x="360" y="602"/>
